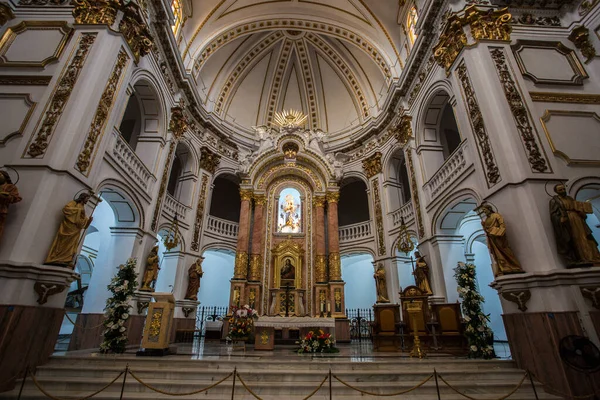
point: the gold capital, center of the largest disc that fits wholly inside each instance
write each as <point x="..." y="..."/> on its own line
<point x="333" y="197"/>
<point x="209" y="160"/>
<point x="372" y="165"/>
<point x="260" y="199"/>
<point x="319" y="201"/>
<point x="246" y="194"/>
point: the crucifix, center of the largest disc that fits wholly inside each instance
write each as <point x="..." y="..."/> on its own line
<point x="287" y="299"/>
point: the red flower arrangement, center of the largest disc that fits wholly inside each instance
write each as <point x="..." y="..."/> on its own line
<point x="317" y="341"/>
<point x="241" y="322"/>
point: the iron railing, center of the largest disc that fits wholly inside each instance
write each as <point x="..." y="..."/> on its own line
<point x="361" y="323"/>
<point x="209" y="313"/>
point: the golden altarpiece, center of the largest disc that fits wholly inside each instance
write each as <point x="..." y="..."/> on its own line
<point x="287" y="259"/>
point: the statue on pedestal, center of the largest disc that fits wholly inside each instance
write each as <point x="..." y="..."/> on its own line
<point x="381" y="284"/>
<point x="151" y="273"/>
<point x="421" y="274"/>
<point x="194" y="274"/>
<point x="503" y="257"/>
<point x="66" y="242"/>
<point x="8" y="195"/>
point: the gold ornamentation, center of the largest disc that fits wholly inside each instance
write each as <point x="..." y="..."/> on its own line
<point x="333" y="197"/>
<point x="246" y="194"/>
<point x="155" y="324"/>
<point x="372" y="165"/>
<point x="335" y="266"/>
<point x="337" y="297"/>
<point x="163" y="185"/>
<point x="290" y="150"/>
<point x="321" y="268"/>
<point x="319" y="201"/>
<point x="264" y="337"/>
<point x="492" y="173"/>
<point x="241" y="265"/>
<point x="209" y="160"/>
<point x="415" y="194"/>
<point x="178" y="123"/>
<point x="488" y="24"/>
<point x="537" y="160"/>
<point x="95" y="12"/>
<point x="260" y="199"/>
<point x="403" y="130"/>
<point x="581" y="37"/>
<point x="135" y="31"/>
<point x="101" y="117"/>
<point x="6" y="14"/>
<point x="142" y="306"/>
<point x="405" y="244"/>
<point x="290" y="118"/>
<point x="199" y="213"/>
<point x="252" y="298"/>
<point x="519" y="297"/>
<point x="187" y="311"/>
<point x="60" y="96"/>
<point x="25" y="80"/>
<point x="45" y="290"/>
<point x="378" y="217"/>
<point x="556" y="97"/>
<point x="592" y="293"/>
<point x="288" y="169"/>
<point x="255" y="267"/>
<point x="586" y="6"/>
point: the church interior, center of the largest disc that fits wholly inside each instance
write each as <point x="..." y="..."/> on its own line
<point x="406" y="190"/>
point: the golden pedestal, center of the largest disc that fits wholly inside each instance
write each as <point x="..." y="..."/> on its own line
<point x="414" y="308"/>
<point x="158" y="325"/>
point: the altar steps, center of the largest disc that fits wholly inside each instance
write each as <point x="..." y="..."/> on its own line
<point x="275" y="378"/>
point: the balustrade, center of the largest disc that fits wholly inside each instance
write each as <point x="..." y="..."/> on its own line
<point x="222" y="227"/>
<point x="173" y="206"/>
<point x="406" y="211"/>
<point x="133" y="167"/>
<point x="355" y="231"/>
<point x="448" y="172"/>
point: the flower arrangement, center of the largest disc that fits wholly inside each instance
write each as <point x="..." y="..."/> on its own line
<point x="317" y="341"/>
<point x="117" y="308"/>
<point x="477" y="332"/>
<point x="241" y="322"/>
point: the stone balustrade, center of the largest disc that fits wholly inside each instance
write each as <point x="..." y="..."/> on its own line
<point x="126" y="158"/>
<point x="406" y="211"/>
<point x="358" y="231"/>
<point x="172" y="206"/>
<point x="448" y="172"/>
<point x="222" y="227"/>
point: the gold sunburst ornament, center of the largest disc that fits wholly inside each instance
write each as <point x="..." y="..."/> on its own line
<point x="290" y="118"/>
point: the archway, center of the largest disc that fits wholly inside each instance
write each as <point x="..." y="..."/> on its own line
<point x="353" y="207"/>
<point x="183" y="174"/>
<point x="397" y="184"/>
<point x="357" y="272"/>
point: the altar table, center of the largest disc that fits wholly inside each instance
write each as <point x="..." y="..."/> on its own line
<point x="264" y="328"/>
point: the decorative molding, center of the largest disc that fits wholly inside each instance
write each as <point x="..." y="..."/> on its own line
<point x="163" y="185"/>
<point x="51" y="3"/>
<point x="187" y="311"/>
<point x="45" y="290"/>
<point x="321" y="268"/>
<point x="592" y="293"/>
<point x="200" y="213"/>
<point x="319" y="201"/>
<point x="209" y="160"/>
<point x="142" y="306"/>
<point x="519" y="297"/>
<point x="415" y="194"/>
<point x="58" y="100"/>
<point x="30" y="104"/>
<point x="24" y="80"/>
<point x="421" y="79"/>
<point x="484" y="24"/>
<point x="378" y="217"/>
<point x="372" y="165"/>
<point x="178" y="123"/>
<point x="559" y="97"/>
<point x="12" y="33"/>
<point x="536" y="157"/>
<point x="6" y="14"/>
<point x="402" y="130"/>
<point x="492" y="173"/>
<point x="246" y="194"/>
<point x="579" y="73"/>
<point x="335" y="266"/>
<point x="532" y="20"/>
<point x="586" y="6"/>
<point x="102" y="115"/>
<point x="580" y="36"/>
<point x="333" y="197"/>
<point x="255" y="267"/>
<point x="241" y="265"/>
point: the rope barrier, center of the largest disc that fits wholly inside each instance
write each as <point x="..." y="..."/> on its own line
<point x="247" y="388"/>
<point x="386" y="394"/>
<point x="317" y="389"/>
<point x="473" y="398"/>
<point x="41" y="389"/>
<point x="12" y="378"/>
<point x="559" y="393"/>
<point x="179" y="394"/>
<point x="81" y="327"/>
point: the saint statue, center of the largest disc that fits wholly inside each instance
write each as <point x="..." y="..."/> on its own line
<point x="151" y="273"/>
<point x="574" y="240"/>
<point x="505" y="260"/>
<point x="66" y="242"/>
<point x="421" y="274"/>
<point x="289" y="214"/>
<point x="380" y="284"/>
<point x="8" y="195"/>
<point x="194" y="274"/>
<point x="288" y="271"/>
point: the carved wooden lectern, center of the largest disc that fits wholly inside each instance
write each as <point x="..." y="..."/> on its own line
<point x="159" y="321"/>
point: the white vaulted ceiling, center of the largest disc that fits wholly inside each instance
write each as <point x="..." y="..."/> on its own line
<point x="332" y="59"/>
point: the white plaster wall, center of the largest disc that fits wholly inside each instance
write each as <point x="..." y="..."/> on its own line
<point x="357" y="272"/>
<point x="214" y="285"/>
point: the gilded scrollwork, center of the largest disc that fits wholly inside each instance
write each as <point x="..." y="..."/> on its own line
<point x="535" y="156"/>
<point x="60" y="96"/>
<point x="372" y="165"/>
<point x="321" y="268"/>
<point x="560" y="97"/>
<point x="255" y="267"/>
<point x="415" y="194"/>
<point x="492" y="173"/>
<point x="200" y="213"/>
<point x="378" y="217"/>
<point x="6" y="14"/>
<point x="333" y="197"/>
<point x="178" y="123"/>
<point x="163" y="185"/>
<point x="86" y="156"/>
<point x="580" y="36"/>
<point x="489" y="24"/>
<point x="241" y="265"/>
<point x="335" y="266"/>
<point x="319" y="201"/>
<point x="403" y="130"/>
<point x="209" y="160"/>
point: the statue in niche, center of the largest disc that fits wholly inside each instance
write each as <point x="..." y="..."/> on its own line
<point x="289" y="217"/>
<point x="194" y="274"/>
<point x="8" y="195"/>
<point x="151" y="272"/>
<point x="503" y="257"/>
<point x="381" y="284"/>
<point x="66" y="242"/>
<point x="574" y="240"/>
<point x="288" y="271"/>
<point x="421" y="274"/>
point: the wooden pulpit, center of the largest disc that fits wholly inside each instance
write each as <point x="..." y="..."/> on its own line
<point x="159" y="321"/>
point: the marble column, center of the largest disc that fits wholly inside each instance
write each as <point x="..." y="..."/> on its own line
<point x="335" y="266"/>
<point x="320" y="250"/>
<point x="241" y="256"/>
<point x="258" y="237"/>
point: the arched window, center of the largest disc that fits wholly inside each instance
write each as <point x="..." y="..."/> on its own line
<point x="178" y="13"/>
<point x="411" y="23"/>
<point x="290" y="208"/>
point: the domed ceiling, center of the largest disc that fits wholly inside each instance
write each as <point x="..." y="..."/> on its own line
<point x="334" y="60"/>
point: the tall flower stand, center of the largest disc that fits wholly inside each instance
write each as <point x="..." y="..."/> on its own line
<point x="159" y="321"/>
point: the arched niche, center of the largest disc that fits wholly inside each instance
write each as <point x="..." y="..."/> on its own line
<point x="353" y="206"/>
<point x="396" y="185"/>
<point x="225" y="198"/>
<point x="182" y="175"/>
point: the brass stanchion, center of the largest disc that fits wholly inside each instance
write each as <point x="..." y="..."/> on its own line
<point x="437" y="386"/>
<point x="413" y="308"/>
<point x="330" y="389"/>
<point x="532" y="385"/>
<point x="233" y="386"/>
<point x="124" y="380"/>
<point x="23" y="382"/>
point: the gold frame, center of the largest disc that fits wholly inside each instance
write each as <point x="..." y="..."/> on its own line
<point x="12" y="32"/>
<point x="28" y="102"/>
<point x="559" y="153"/>
<point x="577" y="67"/>
<point x="285" y="250"/>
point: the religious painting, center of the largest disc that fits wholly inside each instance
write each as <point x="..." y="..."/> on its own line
<point x="288" y="273"/>
<point x="289" y="210"/>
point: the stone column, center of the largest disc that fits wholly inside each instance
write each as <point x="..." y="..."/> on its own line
<point x="240" y="272"/>
<point x="256" y="256"/>
<point x="320" y="250"/>
<point x="335" y="266"/>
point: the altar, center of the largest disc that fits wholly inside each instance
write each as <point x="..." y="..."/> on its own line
<point x="266" y="327"/>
